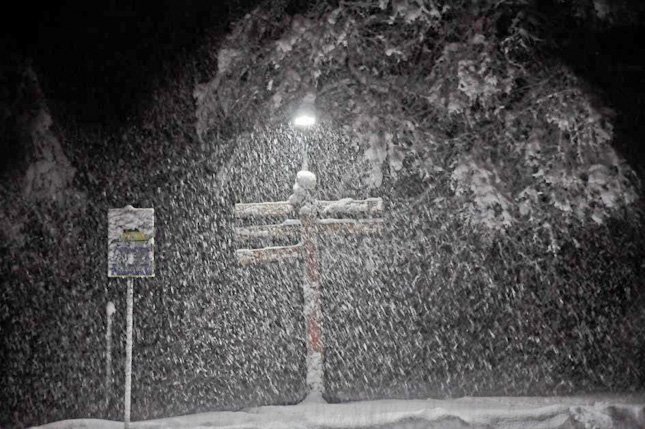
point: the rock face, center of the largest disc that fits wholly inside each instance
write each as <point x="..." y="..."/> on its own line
<point x="50" y="173"/>
<point x="38" y="176"/>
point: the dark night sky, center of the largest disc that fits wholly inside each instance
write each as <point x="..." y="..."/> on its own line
<point x="98" y="58"/>
<point x="613" y="62"/>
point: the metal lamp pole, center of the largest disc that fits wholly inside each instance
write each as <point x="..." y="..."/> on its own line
<point x="303" y="146"/>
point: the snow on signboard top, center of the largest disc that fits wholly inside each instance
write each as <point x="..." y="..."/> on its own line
<point x="601" y="412"/>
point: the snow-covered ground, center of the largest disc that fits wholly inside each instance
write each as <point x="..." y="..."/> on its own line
<point x="588" y="412"/>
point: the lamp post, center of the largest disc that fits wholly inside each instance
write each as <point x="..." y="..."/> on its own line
<point x="310" y="210"/>
<point x="303" y="200"/>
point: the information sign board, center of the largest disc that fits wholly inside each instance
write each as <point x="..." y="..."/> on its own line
<point x="131" y="240"/>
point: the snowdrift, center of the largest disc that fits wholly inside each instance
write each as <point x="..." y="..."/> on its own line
<point x="500" y="413"/>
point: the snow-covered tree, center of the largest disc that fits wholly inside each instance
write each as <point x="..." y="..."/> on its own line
<point x="433" y="88"/>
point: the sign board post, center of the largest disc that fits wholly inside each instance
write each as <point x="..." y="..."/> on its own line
<point x="131" y="237"/>
<point x="109" y="310"/>
<point x="345" y="217"/>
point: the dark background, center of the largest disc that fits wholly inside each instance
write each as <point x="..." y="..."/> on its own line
<point x="99" y="59"/>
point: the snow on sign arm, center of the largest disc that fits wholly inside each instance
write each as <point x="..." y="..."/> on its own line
<point x="131" y="242"/>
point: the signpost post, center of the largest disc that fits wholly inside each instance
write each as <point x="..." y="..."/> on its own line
<point x="109" y="310"/>
<point x="131" y="237"/>
<point x="314" y="217"/>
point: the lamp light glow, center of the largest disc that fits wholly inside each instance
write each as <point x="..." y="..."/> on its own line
<point x="304" y="120"/>
<point x="305" y="115"/>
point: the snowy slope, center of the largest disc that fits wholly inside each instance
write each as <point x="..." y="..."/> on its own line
<point x="601" y="412"/>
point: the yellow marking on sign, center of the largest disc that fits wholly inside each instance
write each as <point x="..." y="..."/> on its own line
<point x="134" y="235"/>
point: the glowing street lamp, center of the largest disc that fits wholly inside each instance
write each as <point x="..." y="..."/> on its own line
<point x="304" y="120"/>
<point x="305" y="115"/>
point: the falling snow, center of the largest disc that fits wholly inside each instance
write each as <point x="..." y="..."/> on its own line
<point x="471" y="288"/>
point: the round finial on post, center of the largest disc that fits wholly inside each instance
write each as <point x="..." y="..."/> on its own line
<point x="306" y="180"/>
<point x="303" y="189"/>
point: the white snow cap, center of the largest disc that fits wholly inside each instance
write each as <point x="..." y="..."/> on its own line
<point x="306" y="179"/>
<point x="110" y="308"/>
<point x="299" y="190"/>
<point x="296" y="199"/>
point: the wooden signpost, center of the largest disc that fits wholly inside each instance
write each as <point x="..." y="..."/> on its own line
<point x="304" y="218"/>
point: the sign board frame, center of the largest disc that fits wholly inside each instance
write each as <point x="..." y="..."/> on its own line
<point x="131" y="239"/>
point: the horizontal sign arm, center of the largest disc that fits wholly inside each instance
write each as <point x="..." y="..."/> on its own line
<point x="289" y="230"/>
<point x="292" y="229"/>
<point x="254" y="210"/>
<point x="350" y="226"/>
<point x="369" y="206"/>
<point x="268" y="254"/>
